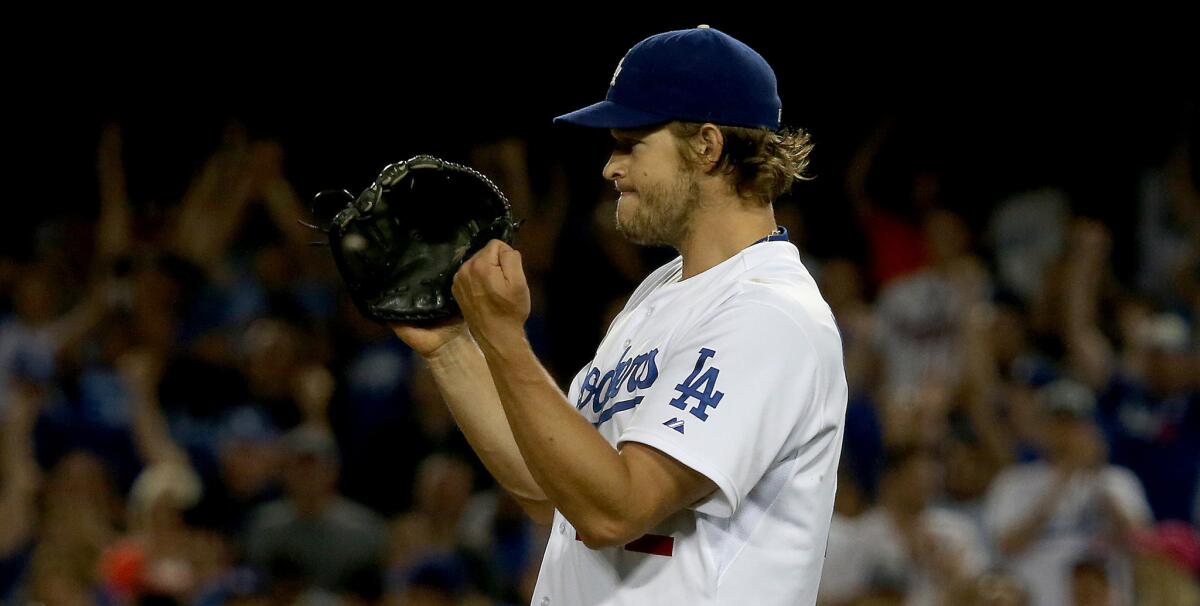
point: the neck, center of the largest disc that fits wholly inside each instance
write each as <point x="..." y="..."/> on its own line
<point x="901" y="511"/>
<point x="722" y="228"/>
<point x="312" y="505"/>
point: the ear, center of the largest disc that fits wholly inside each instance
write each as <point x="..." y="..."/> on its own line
<point x="709" y="143"/>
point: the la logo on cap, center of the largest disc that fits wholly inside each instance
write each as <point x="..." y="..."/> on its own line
<point x="617" y="73"/>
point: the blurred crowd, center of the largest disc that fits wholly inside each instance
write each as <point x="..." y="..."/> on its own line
<point x="194" y="413"/>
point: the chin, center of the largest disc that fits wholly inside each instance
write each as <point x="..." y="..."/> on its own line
<point x="637" y="224"/>
<point x="625" y="200"/>
<point x="639" y="233"/>
<point x="627" y="228"/>
<point x="626" y="209"/>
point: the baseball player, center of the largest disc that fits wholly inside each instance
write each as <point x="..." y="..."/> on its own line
<point x="694" y="459"/>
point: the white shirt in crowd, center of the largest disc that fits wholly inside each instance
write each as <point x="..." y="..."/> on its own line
<point x="1078" y="529"/>
<point x="871" y="549"/>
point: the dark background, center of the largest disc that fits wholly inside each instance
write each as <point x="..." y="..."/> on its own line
<point x="996" y="107"/>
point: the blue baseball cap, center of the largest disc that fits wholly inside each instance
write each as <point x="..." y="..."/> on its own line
<point x="695" y="75"/>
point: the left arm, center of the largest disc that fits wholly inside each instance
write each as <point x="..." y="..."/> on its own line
<point x="610" y="496"/>
<point x="141" y="371"/>
<point x="22" y="476"/>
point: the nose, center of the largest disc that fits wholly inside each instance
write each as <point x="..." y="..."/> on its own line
<point x="617" y="166"/>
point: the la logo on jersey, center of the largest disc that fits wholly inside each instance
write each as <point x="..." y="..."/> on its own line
<point x="702" y="387"/>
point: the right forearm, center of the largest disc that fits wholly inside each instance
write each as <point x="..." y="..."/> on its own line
<point x="1019" y="536"/>
<point x="21" y="476"/>
<point x="113" y="229"/>
<point x="17" y="515"/>
<point x="1088" y="349"/>
<point x="462" y="377"/>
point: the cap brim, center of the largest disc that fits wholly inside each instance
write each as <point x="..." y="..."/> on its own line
<point x="607" y="114"/>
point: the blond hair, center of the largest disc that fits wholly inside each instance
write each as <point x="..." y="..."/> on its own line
<point x="763" y="163"/>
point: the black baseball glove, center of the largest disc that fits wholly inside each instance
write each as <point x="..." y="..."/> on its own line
<point x="399" y="243"/>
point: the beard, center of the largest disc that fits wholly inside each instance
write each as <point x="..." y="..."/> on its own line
<point x="663" y="212"/>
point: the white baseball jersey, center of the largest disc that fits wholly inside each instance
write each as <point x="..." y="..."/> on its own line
<point x="737" y="373"/>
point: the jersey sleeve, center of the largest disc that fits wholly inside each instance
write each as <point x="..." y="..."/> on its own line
<point x="1007" y="501"/>
<point x="1126" y="492"/>
<point x="735" y="394"/>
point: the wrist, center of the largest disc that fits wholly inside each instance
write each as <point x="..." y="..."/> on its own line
<point x="450" y="350"/>
<point x="501" y="344"/>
